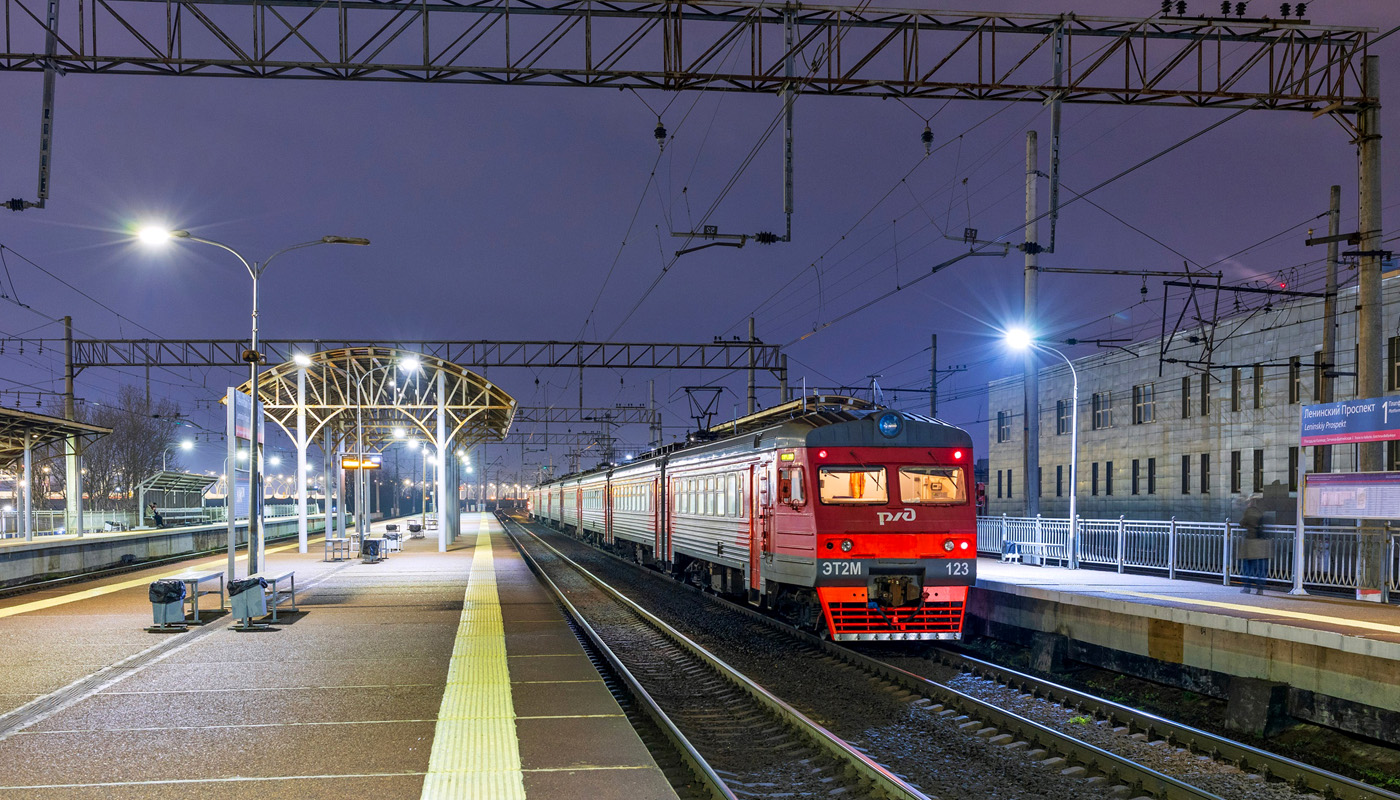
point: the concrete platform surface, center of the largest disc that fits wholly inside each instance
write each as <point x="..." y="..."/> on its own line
<point x="429" y="674"/>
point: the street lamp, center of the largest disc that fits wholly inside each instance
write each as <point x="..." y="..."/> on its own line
<point x="187" y="444"/>
<point x="156" y="235"/>
<point x="1020" y="339"/>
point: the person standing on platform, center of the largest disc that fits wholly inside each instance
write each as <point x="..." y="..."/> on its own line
<point x="1254" y="548"/>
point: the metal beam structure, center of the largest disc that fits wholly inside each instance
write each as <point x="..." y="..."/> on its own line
<point x="578" y="416"/>
<point x="476" y="354"/>
<point x="708" y="46"/>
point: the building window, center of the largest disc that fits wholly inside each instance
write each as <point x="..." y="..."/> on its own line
<point x="1292" y="469"/>
<point x="1235" y="389"/>
<point x="1135" y="476"/>
<point x="1186" y="397"/>
<point x="1258" y="386"/>
<point x="1205" y="394"/>
<point x="1186" y="474"/>
<point x="1151" y="476"/>
<point x="1009" y="483"/>
<point x="1392" y="372"/>
<point x="1060" y="480"/>
<point x="998" y="484"/>
<point x="1103" y="410"/>
<point x="1205" y="473"/>
<point x="1234" y="471"/>
<point x="1040" y="481"/>
<point x="1319" y="374"/>
<point x="1094" y="478"/>
<point x="1003" y="426"/>
<point x="1320" y="459"/>
<point x="1063" y="417"/>
<point x="1258" y="471"/>
<point x="1295" y="379"/>
<point x="1392" y="455"/>
<point x="1144" y="406"/>
<point x="1108" y="477"/>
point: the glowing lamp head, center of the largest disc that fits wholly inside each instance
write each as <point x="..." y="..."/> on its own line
<point x="399" y="433"/>
<point x="154" y="234"/>
<point x="301" y="360"/>
<point x="410" y="364"/>
<point x="1018" y="339"/>
<point x="957" y="455"/>
<point x="821" y="454"/>
<point x="187" y="444"/>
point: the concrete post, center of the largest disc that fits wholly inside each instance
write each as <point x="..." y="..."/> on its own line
<point x="1030" y="427"/>
<point x="327" y="448"/>
<point x="28" y="508"/>
<point x="72" y="456"/>
<point x="1226" y="551"/>
<point x="753" y="396"/>
<point x="1370" y="546"/>
<point x="1171" y="550"/>
<point x="1122" y="541"/>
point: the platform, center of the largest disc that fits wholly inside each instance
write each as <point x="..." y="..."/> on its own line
<point x="444" y="675"/>
<point x="1338" y="658"/>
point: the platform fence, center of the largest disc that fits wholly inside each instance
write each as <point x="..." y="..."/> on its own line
<point x="50" y="522"/>
<point x="1191" y="548"/>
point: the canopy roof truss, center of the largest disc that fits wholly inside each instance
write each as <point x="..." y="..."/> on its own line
<point x="371" y="389"/>
<point x="42" y="429"/>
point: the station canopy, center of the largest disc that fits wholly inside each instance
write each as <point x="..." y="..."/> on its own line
<point x="381" y="388"/>
<point x="42" y="429"/>
<point x="177" y="482"/>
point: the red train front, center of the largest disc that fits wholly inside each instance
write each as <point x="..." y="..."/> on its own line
<point x="880" y="508"/>
<point x="856" y="522"/>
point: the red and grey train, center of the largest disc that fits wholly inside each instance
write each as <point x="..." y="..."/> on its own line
<point x="840" y="516"/>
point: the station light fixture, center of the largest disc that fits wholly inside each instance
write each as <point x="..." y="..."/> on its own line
<point x="187" y="444"/>
<point x="399" y="433"/>
<point x="411" y="363"/>
<point x="301" y="360"/>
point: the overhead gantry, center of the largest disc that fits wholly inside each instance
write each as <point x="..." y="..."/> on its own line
<point x="354" y="399"/>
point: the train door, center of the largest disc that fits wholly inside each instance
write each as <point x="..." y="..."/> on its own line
<point x="607" y="512"/>
<point x="658" y="549"/>
<point x="760" y="522"/>
<point x="669" y="522"/>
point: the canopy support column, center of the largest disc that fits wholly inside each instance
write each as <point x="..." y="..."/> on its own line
<point x="443" y="519"/>
<point x="28" y="510"/>
<point x="301" y="460"/>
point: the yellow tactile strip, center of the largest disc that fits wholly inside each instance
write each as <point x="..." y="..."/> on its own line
<point x="475" y="751"/>
<point x="1376" y="627"/>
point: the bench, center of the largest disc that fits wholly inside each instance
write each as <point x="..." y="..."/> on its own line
<point x="281" y="587"/>
<point x="193" y="580"/>
<point x="393" y="540"/>
<point x="337" y="549"/>
<point x="1013" y="552"/>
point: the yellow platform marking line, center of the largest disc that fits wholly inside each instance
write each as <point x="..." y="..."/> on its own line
<point x="1376" y="627"/>
<point x="88" y="594"/>
<point x="475" y="752"/>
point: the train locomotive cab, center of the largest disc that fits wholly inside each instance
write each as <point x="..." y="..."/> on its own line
<point x="886" y="504"/>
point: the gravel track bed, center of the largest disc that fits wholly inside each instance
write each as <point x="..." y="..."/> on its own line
<point x="894" y="727"/>
<point x="755" y="754"/>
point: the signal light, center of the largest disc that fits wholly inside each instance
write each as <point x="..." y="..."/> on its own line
<point x="821" y="454"/>
<point x="963" y="545"/>
<point x="957" y="455"/>
<point x="948" y="545"/>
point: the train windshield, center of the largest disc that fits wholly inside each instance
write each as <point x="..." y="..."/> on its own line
<point x="934" y="485"/>
<point x="853" y="485"/>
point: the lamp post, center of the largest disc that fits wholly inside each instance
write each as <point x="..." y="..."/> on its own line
<point x="187" y="444"/>
<point x="1021" y="339"/>
<point x="153" y="235"/>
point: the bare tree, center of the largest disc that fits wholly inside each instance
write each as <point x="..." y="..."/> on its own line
<point x="141" y="432"/>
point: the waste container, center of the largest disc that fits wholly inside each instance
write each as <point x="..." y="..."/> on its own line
<point x="248" y="598"/>
<point x="369" y="550"/>
<point x="168" y="601"/>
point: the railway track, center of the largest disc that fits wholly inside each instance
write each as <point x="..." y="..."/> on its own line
<point x="739" y="739"/>
<point x="1106" y="739"/>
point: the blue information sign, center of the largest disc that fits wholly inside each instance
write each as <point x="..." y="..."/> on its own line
<point x="1375" y="419"/>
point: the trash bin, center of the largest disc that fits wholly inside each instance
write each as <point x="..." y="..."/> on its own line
<point x="248" y="598"/>
<point x="369" y="550"/>
<point x="168" y="601"/>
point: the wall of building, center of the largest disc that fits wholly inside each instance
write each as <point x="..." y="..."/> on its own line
<point x="1268" y="335"/>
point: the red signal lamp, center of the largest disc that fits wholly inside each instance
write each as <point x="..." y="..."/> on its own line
<point x="821" y="454"/>
<point x="957" y="455"/>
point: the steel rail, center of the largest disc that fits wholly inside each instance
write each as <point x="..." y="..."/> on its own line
<point x="1324" y="782"/>
<point x="863" y="765"/>
<point x="687" y="752"/>
<point x="1242" y="755"/>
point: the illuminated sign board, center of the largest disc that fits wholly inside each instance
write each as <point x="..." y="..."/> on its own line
<point x="1351" y="421"/>
<point x="361" y="461"/>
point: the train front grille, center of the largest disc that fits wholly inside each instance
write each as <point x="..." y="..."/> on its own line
<point x="850" y="616"/>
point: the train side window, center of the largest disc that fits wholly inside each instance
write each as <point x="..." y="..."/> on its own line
<point x="853" y="485"/>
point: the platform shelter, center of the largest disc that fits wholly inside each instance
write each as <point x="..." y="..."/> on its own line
<point x="21" y="432"/>
<point x="362" y="399"/>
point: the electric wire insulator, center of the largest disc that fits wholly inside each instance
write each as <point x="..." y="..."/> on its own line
<point x="927" y="138"/>
<point x="660" y="134"/>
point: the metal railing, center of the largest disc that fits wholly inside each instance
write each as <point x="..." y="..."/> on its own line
<point x="50" y="522"/>
<point x="1193" y="549"/>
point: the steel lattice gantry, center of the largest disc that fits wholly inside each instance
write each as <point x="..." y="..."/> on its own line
<point x="712" y="46"/>
<point x="353" y="399"/>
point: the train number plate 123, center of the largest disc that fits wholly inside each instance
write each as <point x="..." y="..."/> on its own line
<point x="842" y="568"/>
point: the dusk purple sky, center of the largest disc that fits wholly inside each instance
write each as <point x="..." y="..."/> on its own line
<point x="495" y="213"/>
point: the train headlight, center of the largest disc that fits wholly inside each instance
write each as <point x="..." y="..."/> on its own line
<point x="948" y="545"/>
<point x="846" y="545"/>
<point x="963" y="545"/>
